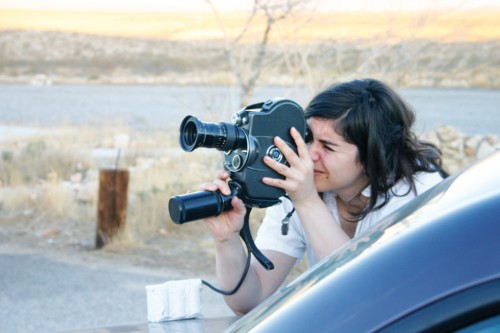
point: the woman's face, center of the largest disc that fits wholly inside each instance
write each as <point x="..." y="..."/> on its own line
<point x="336" y="166"/>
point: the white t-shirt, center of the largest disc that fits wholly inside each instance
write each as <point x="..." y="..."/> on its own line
<point x="295" y="243"/>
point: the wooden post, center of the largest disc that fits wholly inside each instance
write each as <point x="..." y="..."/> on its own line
<point x="112" y="204"/>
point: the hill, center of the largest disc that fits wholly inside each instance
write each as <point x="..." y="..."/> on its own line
<point x="426" y="49"/>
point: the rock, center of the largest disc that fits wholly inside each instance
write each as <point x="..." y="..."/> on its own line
<point x="87" y="192"/>
<point x="471" y="145"/>
<point x="51" y="232"/>
<point x="460" y="150"/>
<point x="76" y="177"/>
<point x="485" y="149"/>
<point x="448" y="133"/>
<point x="121" y="140"/>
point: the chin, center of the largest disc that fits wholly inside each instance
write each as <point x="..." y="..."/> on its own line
<point x="322" y="188"/>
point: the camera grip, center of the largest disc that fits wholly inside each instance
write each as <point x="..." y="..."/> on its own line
<point x="246" y="235"/>
<point x="198" y="205"/>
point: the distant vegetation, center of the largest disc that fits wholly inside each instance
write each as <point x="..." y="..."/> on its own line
<point x="425" y="49"/>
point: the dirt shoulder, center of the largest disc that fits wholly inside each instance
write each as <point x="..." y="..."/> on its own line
<point x="158" y="254"/>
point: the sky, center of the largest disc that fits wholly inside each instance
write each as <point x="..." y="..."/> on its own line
<point x="232" y="5"/>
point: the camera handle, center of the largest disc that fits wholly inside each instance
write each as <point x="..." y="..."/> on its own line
<point x="246" y="235"/>
<point x="245" y="232"/>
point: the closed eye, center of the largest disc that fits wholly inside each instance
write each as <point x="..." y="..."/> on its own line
<point x="328" y="145"/>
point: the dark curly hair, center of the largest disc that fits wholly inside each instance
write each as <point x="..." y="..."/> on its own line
<point x="375" y="118"/>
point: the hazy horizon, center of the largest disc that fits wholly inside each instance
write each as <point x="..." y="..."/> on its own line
<point x="228" y="5"/>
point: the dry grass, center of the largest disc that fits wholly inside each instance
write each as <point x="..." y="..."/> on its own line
<point x="53" y="189"/>
<point x="54" y="177"/>
<point x="58" y="209"/>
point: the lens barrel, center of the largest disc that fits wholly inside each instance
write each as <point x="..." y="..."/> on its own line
<point x="197" y="206"/>
<point x="195" y="133"/>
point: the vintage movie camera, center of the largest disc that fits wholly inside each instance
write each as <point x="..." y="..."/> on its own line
<point x="244" y="142"/>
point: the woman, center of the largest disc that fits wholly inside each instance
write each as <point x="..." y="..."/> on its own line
<point x="362" y="162"/>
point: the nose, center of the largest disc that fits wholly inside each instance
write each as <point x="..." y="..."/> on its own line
<point x="313" y="151"/>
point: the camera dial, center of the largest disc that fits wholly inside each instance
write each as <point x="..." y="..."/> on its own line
<point x="236" y="160"/>
<point x="274" y="153"/>
<point x="239" y="118"/>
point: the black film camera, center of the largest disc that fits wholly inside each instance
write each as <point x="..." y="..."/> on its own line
<point x="245" y="142"/>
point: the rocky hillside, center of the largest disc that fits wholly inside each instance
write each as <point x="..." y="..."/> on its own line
<point x="63" y="57"/>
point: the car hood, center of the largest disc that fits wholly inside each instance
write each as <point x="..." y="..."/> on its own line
<point x="205" y="325"/>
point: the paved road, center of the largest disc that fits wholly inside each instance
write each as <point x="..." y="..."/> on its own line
<point x="42" y="292"/>
<point x="473" y="111"/>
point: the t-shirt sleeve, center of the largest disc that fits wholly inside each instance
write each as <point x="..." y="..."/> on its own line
<point x="401" y="195"/>
<point x="425" y="181"/>
<point x="269" y="235"/>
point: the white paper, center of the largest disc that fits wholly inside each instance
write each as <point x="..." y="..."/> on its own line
<point x="174" y="300"/>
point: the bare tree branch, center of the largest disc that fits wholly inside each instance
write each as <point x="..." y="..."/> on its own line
<point x="247" y="63"/>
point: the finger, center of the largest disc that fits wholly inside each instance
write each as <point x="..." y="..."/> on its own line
<point x="209" y="187"/>
<point x="275" y="182"/>
<point x="222" y="186"/>
<point x="237" y="204"/>
<point x="223" y="174"/>
<point x="299" y="142"/>
<point x="217" y="185"/>
<point x="283" y="146"/>
<point x="276" y="166"/>
<point x="286" y="150"/>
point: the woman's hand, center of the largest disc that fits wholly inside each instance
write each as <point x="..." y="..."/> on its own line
<point x="299" y="175"/>
<point x="227" y="225"/>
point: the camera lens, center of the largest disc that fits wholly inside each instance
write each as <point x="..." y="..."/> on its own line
<point x="195" y="206"/>
<point x="195" y="133"/>
<point x="199" y="205"/>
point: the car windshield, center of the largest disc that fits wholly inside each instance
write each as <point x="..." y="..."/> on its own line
<point x="453" y="192"/>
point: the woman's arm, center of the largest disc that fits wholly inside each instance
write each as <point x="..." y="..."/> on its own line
<point x="259" y="282"/>
<point x="322" y="230"/>
<point x="231" y="256"/>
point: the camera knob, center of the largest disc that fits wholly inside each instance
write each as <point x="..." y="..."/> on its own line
<point x="236" y="119"/>
<point x="239" y="118"/>
<point x="236" y="162"/>
<point x="275" y="153"/>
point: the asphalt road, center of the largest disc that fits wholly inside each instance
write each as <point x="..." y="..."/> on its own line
<point x="44" y="292"/>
